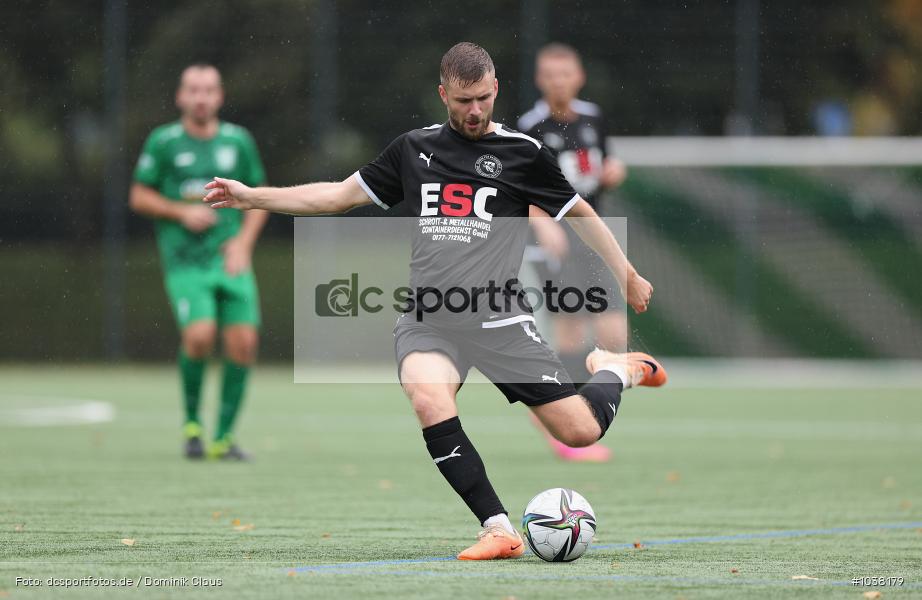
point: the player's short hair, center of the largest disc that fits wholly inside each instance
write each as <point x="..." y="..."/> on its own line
<point x="199" y="65"/>
<point x="558" y="50"/>
<point x="464" y="64"/>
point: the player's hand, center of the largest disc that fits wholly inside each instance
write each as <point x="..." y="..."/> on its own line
<point x="197" y="218"/>
<point x="551" y="237"/>
<point x="639" y="292"/>
<point x="228" y="193"/>
<point x="238" y="255"/>
<point x="614" y="172"/>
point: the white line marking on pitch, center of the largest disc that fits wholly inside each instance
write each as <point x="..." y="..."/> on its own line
<point x="48" y="411"/>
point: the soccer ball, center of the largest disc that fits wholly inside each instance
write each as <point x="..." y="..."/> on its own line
<point x="558" y="525"/>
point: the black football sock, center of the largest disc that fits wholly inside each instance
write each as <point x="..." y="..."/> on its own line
<point x="603" y="395"/>
<point x="575" y="364"/>
<point x="457" y="459"/>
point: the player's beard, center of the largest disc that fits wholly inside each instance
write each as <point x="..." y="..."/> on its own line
<point x="459" y="124"/>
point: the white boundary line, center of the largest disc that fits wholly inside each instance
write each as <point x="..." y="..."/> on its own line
<point x="766" y="151"/>
<point x="53" y="411"/>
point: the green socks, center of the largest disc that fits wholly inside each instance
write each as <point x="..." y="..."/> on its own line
<point x="232" y="387"/>
<point x="192" y="372"/>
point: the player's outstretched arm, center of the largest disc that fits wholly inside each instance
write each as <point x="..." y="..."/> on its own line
<point x="585" y="221"/>
<point x="325" y="198"/>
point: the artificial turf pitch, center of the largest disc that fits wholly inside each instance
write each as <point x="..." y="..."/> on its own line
<point x="341" y="476"/>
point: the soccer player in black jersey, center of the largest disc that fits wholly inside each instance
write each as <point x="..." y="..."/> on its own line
<point x="576" y="130"/>
<point x="474" y="169"/>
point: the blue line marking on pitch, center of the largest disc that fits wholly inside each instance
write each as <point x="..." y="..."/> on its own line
<point x="353" y="566"/>
<point x="701" y="581"/>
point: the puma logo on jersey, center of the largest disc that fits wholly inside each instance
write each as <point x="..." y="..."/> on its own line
<point x="549" y="378"/>
<point x="453" y="454"/>
<point x="426" y="158"/>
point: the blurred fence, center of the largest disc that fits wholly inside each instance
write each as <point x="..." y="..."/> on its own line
<point x="324" y="84"/>
<point x="310" y="79"/>
<point x="817" y="260"/>
<point x="778" y="246"/>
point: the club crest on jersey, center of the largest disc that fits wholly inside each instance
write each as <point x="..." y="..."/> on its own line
<point x="488" y="166"/>
<point x="225" y="158"/>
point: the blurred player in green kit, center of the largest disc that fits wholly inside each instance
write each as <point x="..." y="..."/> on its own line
<point x="206" y="254"/>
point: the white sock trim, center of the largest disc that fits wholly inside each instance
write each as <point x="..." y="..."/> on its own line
<point x="620" y="371"/>
<point x="500" y="519"/>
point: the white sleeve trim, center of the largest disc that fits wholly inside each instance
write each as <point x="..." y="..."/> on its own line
<point x="509" y="321"/>
<point x="566" y="207"/>
<point x="371" y="194"/>
<point x="515" y="134"/>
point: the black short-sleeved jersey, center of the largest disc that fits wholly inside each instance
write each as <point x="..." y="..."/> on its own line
<point x="580" y="144"/>
<point x="470" y="201"/>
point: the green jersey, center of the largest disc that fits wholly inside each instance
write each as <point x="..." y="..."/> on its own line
<point x="178" y="166"/>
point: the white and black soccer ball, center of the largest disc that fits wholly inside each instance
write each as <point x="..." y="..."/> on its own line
<point x="558" y="525"/>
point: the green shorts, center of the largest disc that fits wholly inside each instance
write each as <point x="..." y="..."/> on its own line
<point x="213" y="295"/>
